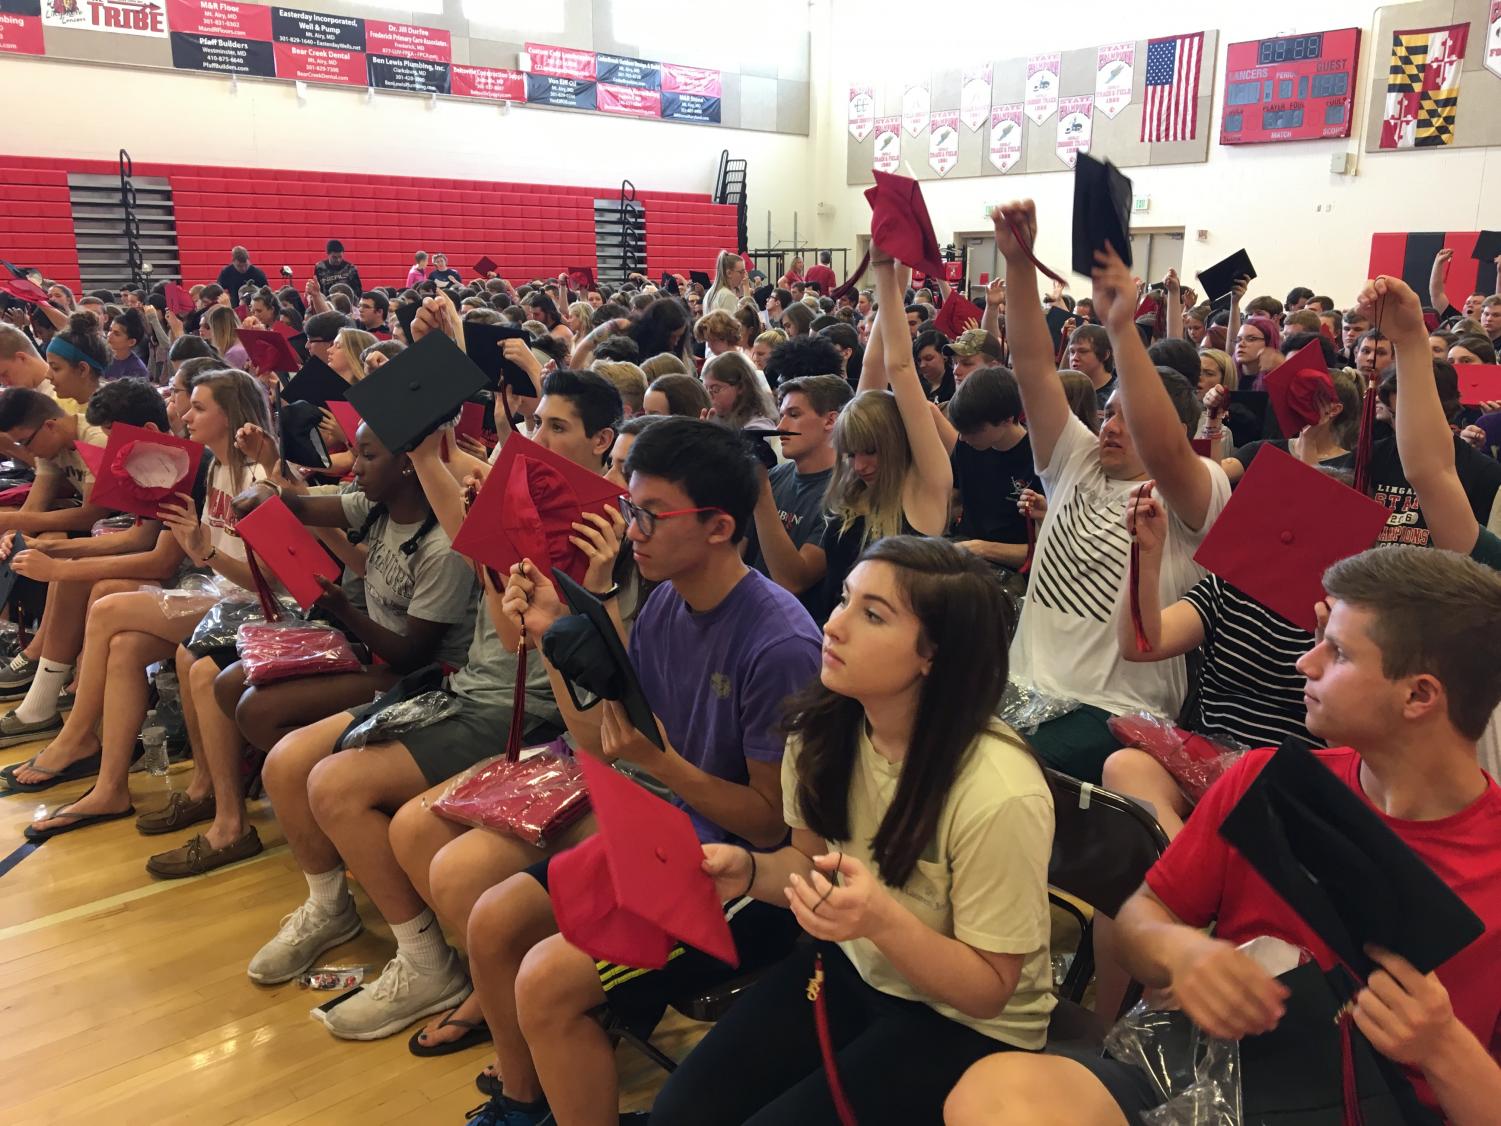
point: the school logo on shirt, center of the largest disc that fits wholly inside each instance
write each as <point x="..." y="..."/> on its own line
<point x="1084" y="564"/>
<point x="720" y="685"/>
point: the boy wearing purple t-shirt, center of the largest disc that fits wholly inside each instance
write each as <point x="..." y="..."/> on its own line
<point x="718" y="648"/>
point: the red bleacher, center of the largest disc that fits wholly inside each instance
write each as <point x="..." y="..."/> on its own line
<point x="285" y="217"/>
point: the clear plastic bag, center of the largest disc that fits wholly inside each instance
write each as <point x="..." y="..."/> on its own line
<point x="401" y="718"/>
<point x="109" y="525"/>
<point x="1197" y="1075"/>
<point x="533" y="798"/>
<point x="271" y="651"/>
<point x="226" y="611"/>
<point x="1025" y="709"/>
<point x="1195" y="761"/>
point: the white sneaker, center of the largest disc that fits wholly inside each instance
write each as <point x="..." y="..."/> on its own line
<point x="402" y="995"/>
<point x="305" y="934"/>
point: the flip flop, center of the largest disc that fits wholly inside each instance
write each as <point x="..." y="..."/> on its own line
<point x="79" y="821"/>
<point x="83" y="768"/>
<point x="475" y="1032"/>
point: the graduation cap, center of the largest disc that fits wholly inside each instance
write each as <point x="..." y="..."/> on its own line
<point x="762" y="294"/>
<point x="92" y="457"/>
<point x="289" y="334"/>
<point x="346" y="416"/>
<point x="406" y="313"/>
<point x="899" y="223"/>
<point x="269" y="350"/>
<point x="670" y="284"/>
<point x="637" y="887"/>
<point x="530" y="501"/>
<point x="1219" y="280"/>
<point x="408" y="398"/>
<point x="1487" y="246"/>
<point x="698" y="277"/>
<point x="179" y="301"/>
<point x="760" y="440"/>
<point x="23" y="289"/>
<point x="581" y="277"/>
<point x="1286" y="523"/>
<point x="486" y="266"/>
<point x="1299" y="387"/>
<point x="292" y="552"/>
<point x="298" y="426"/>
<point x="1102" y="212"/>
<point x="1252" y="417"/>
<point x="315" y="383"/>
<point x="1478" y="383"/>
<point x="486" y="345"/>
<point x="957" y="309"/>
<point x="472" y="424"/>
<point x="140" y="468"/>
<point x="1331" y="858"/>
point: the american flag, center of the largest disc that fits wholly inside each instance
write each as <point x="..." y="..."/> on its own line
<point x="1172" y="103"/>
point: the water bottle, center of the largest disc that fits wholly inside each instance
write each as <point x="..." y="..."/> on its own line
<point x="169" y="710"/>
<point x="154" y="739"/>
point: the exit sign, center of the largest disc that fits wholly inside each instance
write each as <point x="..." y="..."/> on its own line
<point x="1141" y="203"/>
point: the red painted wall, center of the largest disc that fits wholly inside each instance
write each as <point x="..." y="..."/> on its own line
<point x="284" y="217"/>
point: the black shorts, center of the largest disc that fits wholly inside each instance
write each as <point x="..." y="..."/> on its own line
<point x="1129" y="1086"/>
<point x="763" y="934"/>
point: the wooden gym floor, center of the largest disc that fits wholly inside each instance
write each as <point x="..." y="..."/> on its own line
<point x="124" y="1000"/>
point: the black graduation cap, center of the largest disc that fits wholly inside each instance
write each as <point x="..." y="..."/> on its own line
<point x="421" y="389"/>
<point x="1102" y="212"/>
<point x="486" y="343"/>
<point x="1219" y="279"/>
<point x="315" y="383"/>
<point x="762" y="294"/>
<point x="7" y="575"/>
<point x="669" y="283"/>
<point x="406" y="313"/>
<point x="1487" y="246"/>
<point x="1345" y="873"/>
<point x="1251" y="417"/>
<point x="1056" y="319"/>
<point x="698" y="277"/>
<point x="15" y="271"/>
<point x="759" y="440"/>
<point x="301" y="441"/>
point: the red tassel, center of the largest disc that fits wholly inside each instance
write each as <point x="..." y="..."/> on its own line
<point x="854" y="276"/>
<point x="518" y="702"/>
<point x="1350" y="1088"/>
<point x="842" y="1105"/>
<point x="1031" y="546"/>
<point x="269" y="608"/>
<point x="1134" y="579"/>
<point x="443" y="446"/>
<point x="1027" y="250"/>
<point x="1363" y="443"/>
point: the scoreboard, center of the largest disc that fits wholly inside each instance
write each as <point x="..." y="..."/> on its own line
<point x="1293" y="88"/>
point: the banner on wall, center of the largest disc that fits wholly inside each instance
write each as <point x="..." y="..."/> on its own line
<point x="1075" y="125"/>
<point x="561" y="93"/>
<point x="1493" y="39"/>
<point x="407" y="41"/>
<point x="1422" y="90"/>
<point x="637" y="74"/>
<point x="1114" y="71"/>
<point x="1042" y="87"/>
<point x="414" y="76"/>
<point x="220" y="18"/>
<point x="943" y="141"/>
<point x="916" y="104"/>
<point x="974" y="96"/>
<point x="21" y="27"/>
<point x="888" y="150"/>
<point x="318" y="29"/>
<point x="491" y="83"/>
<point x="223" y="54"/>
<point x="560" y="62"/>
<point x="862" y="111"/>
<point x="690" y="93"/>
<point x="123" y="17"/>
<point x="627" y="101"/>
<point x="320" y="64"/>
<point x="1005" y="136"/>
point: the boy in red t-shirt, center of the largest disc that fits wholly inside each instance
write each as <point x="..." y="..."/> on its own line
<point x="1402" y="680"/>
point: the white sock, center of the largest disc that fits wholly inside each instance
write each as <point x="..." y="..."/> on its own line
<point x="421" y="940"/>
<point x="328" y="890"/>
<point x="41" y="698"/>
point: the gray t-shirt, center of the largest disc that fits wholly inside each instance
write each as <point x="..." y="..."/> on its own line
<point x="433" y="583"/>
<point x="800" y="503"/>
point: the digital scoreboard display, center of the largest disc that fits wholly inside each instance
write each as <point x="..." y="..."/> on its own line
<point x="1293" y="88"/>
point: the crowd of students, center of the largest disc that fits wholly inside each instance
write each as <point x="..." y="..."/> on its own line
<point x="826" y="644"/>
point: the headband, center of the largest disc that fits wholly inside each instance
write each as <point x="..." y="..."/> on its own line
<point x="72" y="353"/>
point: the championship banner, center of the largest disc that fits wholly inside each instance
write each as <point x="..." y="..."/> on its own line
<point x="223" y="54"/>
<point x="915" y="107"/>
<point x="414" y="76"/>
<point x="490" y="83"/>
<point x="1005" y="136"/>
<point x="123" y="17"/>
<point x="627" y="101"/>
<point x="21" y="27"/>
<point x="888" y="151"/>
<point x="1493" y="40"/>
<point x="943" y="141"/>
<point x="974" y="96"/>
<point x="1075" y="124"/>
<point x="862" y="111"/>
<point x="407" y="41"/>
<point x="1114" y="70"/>
<point x="1042" y="87"/>
<point x="1422" y="87"/>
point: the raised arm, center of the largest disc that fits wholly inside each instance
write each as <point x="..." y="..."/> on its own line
<point x="1174" y="306"/>
<point x="1032" y="356"/>
<point x="1161" y="439"/>
<point x="792" y="568"/>
<point x="1170" y="632"/>
<point x="1425" y="444"/>
<point x="1436" y="279"/>
<point x="995" y="308"/>
<point x="873" y="368"/>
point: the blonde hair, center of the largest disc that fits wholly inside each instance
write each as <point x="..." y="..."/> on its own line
<point x="222" y="323"/>
<point x="719" y="325"/>
<point x="751" y="402"/>
<point x="583" y="312"/>
<point x="1229" y="376"/>
<point x="772" y="337"/>
<point x="723" y="264"/>
<point x="870" y="423"/>
<point x="354" y="341"/>
<point x="628" y="379"/>
<point x="663" y="363"/>
<point x="242" y="398"/>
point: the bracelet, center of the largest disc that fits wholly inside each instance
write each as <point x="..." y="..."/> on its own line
<point x="752" y="883"/>
<point x="207" y="559"/>
<point x="609" y="594"/>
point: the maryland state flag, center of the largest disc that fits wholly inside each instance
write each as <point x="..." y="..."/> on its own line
<point x="1422" y="89"/>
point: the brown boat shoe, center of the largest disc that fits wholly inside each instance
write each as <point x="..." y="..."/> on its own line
<point x="198" y="856"/>
<point x="179" y="812"/>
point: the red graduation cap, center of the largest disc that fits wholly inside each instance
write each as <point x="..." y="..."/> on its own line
<point x="140" y="468"/>
<point x="1299" y="387"/>
<point x="1478" y="383"/>
<point x="23" y="289"/>
<point x="580" y="277"/>
<point x="1286" y="523"/>
<point x="634" y="888"/>
<point x="899" y="223"/>
<point x="486" y="266"/>
<point x="957" y="309"/>
<point x="527" y="508"/>
<point x="269" y="350"/>
<point x="292" y="552"/>
<point x="92" y="456"/>
<point x="179" y="301"/>
<point x="472" y="423"/>
<point x="346" y="416"/>
<point x="284" y="330"/>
